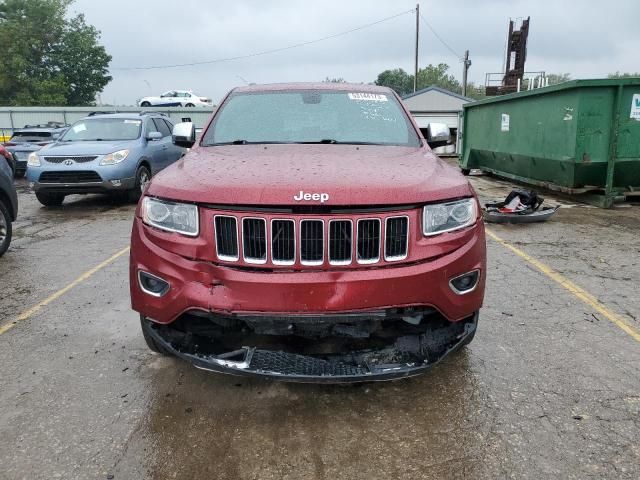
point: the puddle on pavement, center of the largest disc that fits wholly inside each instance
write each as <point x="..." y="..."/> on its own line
<point x="202" y="424"/>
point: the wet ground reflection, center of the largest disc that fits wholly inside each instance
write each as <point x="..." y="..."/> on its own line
<point x="203" y="425"/>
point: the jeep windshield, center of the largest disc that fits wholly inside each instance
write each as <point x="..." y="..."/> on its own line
<point x="311" y="116"/>
<point x="103" y="129"/>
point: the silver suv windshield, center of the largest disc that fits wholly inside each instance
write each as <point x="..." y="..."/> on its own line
<point x="103" y="129"/>
<point x="311" y="116"/>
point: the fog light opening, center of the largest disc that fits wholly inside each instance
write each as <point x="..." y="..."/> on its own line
<point x="465" y="283"/>
<point x="116" y="183"/>
<point x="152" y="285"/>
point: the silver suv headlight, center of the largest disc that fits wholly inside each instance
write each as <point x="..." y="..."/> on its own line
<point x="33" y="160"/>
<point x="171" y="216"/>
<point x="446" y="217"/>
<point x="114" y="158"/>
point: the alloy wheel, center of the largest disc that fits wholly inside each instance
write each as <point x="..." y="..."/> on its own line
<point x="144" y="180"/>
<point x="3" y="228"/>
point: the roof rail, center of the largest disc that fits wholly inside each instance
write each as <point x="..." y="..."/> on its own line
<point x="93" y="114"/>
<point x="149" y="112"/>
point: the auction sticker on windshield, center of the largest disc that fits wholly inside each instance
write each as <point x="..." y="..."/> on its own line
<point x="368" y="97"/>
<point x="81" y="127"/>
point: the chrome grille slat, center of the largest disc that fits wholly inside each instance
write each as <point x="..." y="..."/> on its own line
<point x="254" y="240"/>
<point x="368" y="250"/>
<point x="340" y="235"/>
<point x="311" y="242"/>
<point x="226" y="230"/>
<point x="283" y="242"/>
<point x="396" y="238"/>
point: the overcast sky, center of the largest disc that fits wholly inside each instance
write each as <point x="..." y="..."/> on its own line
<point x="587" y="38"/>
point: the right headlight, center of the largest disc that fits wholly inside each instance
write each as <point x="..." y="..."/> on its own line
<point x="171" y="216"/>
<point x="449" y="216"/>
<point x="114" y="158"/>
<point x="33" y="160"/>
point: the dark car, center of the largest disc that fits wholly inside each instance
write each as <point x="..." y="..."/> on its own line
<point x="8" y="206"/>
<point x="310" y="234"/>
<point x="8" y="156"/>
<point x="30" y="139"/>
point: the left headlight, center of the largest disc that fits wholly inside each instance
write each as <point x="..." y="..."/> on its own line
<point x="446" y="217"/>
<point x="171" y="216"/>
<point x="115" y="157"/>
<point x="33" y="160"/>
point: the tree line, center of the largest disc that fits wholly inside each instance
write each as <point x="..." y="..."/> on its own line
<point x="48" y="57"/>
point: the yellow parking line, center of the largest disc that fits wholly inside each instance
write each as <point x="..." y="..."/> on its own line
<point x="36" y="308"/>
<point x="578" y="292"/>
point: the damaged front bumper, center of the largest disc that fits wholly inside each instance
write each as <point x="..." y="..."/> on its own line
<point x="343" y="348"/>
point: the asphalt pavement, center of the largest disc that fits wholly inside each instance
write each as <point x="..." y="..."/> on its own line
<point x="549" y="388"/>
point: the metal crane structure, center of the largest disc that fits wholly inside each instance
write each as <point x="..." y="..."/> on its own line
<point x="515" y="57"/>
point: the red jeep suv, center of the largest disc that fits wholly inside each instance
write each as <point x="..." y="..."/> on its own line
<point x="309" y="235"/>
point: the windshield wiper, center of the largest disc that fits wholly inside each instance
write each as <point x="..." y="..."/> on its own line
<point x="337" y="142"/>
<point x="242" y="142"/>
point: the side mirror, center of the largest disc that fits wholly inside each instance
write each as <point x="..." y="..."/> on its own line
<point x="184" y="134"/>
<point x="154" y="136"/>
<point x="438" y="133"/>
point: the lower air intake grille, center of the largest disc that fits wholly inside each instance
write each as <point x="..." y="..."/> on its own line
<point x="396" y="235"/>
<point x="368" y="240"/>
<point x="311" y="242"/>
<point x="70" y="177"/>
<point x="227" y="238"/>
<point x="254" y="238"/>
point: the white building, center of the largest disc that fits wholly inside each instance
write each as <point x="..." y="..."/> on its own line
<point x="436" y="105"/>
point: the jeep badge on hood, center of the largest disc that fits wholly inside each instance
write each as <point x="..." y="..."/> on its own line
<point x="323" y="197"/>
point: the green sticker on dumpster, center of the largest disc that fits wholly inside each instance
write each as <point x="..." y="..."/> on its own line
<point x="635" y="106"/>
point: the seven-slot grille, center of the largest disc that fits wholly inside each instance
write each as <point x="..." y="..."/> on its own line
<point x="287" y="241"/>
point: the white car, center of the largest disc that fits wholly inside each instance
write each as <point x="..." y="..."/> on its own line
<point x="176" y="98"/>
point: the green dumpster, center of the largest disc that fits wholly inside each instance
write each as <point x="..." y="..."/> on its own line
<point x="580" y="137"/>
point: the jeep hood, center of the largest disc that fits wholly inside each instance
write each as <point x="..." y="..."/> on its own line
<point x="274" y="174"/>
<point x="83" y="148"/>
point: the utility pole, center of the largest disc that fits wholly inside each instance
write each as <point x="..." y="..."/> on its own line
<point x="467" y="64"/>
<point x="415" y="70"/>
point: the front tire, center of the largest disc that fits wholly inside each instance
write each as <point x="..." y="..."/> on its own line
<point x="143" y="177"/>
<point x="145" y="104"/>
<point x="5" y="228"/>
<point x="50" y="199"/>
<point x="189" y="105"/>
